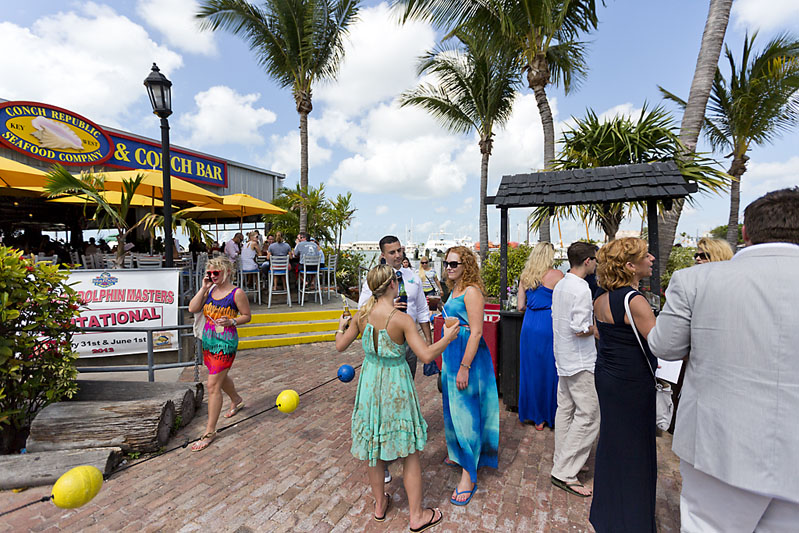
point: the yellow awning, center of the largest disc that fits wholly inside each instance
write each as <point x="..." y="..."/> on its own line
<point x="14" y="174"/>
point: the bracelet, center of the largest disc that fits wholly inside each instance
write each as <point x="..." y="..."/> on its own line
<point x="339" y="331"/>
<point x="467" y="366"/>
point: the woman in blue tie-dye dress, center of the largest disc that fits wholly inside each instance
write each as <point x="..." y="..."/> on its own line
<point x="471" y="402"/>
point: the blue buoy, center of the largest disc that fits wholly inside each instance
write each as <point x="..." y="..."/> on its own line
<point x="346" y="373"/>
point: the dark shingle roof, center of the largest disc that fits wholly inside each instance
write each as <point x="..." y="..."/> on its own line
<point x="622" y="183"/>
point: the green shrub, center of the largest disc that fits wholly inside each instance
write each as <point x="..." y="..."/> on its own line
<point x="37" y="363"/>
<point x="679" y="258"/>
<point x="490" y="271"/>
<point x="346" y="269"/>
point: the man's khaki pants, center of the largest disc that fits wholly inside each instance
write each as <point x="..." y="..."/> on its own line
<point x="576" y="424"/>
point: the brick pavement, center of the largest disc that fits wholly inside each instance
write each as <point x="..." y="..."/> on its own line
<point x="279" y="472"/>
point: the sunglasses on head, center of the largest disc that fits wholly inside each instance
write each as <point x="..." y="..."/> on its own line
<point x="452" y="264"/>
<point x="700" y="255"/>
<point x="214" y="272"/>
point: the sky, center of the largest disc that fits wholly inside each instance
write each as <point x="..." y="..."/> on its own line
<point x="404" y="170"/>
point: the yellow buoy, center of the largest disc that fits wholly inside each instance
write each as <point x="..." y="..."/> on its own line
<point x="287" y="401"/>
<point x="77" y="487"/>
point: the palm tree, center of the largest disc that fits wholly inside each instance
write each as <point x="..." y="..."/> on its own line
<point x="543" y="34"/>
<point x="621" y="141"/>
<point x="297" y="42"/>
<point x="753" y="107"/>
<point x="475" y="91"/>
<point x="312" y="201"/>
<point x="706" y="64"/>
<point x="342" y="212"/>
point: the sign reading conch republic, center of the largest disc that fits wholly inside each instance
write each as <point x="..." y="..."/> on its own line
<point x="53" y="134"/>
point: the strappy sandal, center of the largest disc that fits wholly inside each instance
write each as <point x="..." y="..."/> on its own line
<point x="431" y="523"/>
<point x="204" y="442"/>
<point x="385" y="512"/>
<point x="233" y="410"/>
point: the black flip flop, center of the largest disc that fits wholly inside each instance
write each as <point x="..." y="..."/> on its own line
<point x="568" y="487"/>
<point x="388" y="504"/>
<point x="431" y="523"/>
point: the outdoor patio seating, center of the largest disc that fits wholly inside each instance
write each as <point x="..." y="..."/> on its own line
<point x="278" y="267"/>
<point x="328" y="271"/>
<point x="148" y="262"/>
<point x="309" y="269"/>
<point x="252" y="276"/>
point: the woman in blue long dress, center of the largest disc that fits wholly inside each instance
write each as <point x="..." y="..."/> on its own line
<point x="471" y="402"/>
<point x="538" y="377"/>
<point x="387" y="421"/>
<point x="625" y="476"/>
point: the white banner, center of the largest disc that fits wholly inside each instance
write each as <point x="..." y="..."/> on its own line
<point x="125" y="298"/>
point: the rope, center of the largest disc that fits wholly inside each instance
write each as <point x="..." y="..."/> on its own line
<point x="187" y="442"/>
<point x="42" y="499"/>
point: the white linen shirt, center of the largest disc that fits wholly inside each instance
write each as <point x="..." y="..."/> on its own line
<point x="572" y="313"/>
<point x="417" y="303"/>
<point x="232" y="250"/>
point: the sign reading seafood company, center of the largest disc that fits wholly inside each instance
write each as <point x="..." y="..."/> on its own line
<point x="53" y="134"/>
<point x="132" y="153"/>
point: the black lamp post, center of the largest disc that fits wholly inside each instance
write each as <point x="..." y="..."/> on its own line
<point x="160" y="91"/>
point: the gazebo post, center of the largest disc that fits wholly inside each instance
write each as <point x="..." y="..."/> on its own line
<point x="503" y="255"/>
<point x="652" y="223"/>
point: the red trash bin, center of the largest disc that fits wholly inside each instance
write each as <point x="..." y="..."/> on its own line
<point x="490" y="333"/>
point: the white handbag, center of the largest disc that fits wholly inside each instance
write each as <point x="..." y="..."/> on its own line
<point x="664" y="406"/>
<point x="199" y="324"/>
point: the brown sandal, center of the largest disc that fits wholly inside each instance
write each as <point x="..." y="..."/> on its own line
<point x="204" y="442"/>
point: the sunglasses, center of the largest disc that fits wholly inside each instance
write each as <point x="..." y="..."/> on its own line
<point x="452" y="264"/>
<point x="423" y="262"/>
<point x="214" y="272"/>
<point x="700" y="255"/>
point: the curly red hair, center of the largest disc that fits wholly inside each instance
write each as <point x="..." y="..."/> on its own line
<point x="471" y="272"/>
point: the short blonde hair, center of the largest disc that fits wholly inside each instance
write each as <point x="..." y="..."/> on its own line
<point x="612" y="259"/>
<point x="223" y="264"/>
<point x="716" y="249"/>
<point x="539" y="262"/>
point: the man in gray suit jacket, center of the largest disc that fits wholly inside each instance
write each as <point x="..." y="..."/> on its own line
<point x="737" y="432"/>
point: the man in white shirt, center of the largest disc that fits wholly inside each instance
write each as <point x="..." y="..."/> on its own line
<point x="232" y="249"/>
<point x="577" y="417"/>
<point x="737" y="435"/>
<point x="411" y="299"/>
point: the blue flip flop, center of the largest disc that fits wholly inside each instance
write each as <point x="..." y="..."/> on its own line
<point x="453" y="501"/>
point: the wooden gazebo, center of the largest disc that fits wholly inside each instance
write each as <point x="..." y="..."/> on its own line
<point x="650" y="182"/>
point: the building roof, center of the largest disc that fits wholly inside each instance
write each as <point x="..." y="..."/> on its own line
<point x="623" y="183"/>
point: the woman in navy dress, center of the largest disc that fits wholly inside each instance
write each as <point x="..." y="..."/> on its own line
<point x="538" y="377"/>
<point x="625" y="474"/>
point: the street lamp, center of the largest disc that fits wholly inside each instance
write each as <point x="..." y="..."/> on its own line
<point x="159" y="89"/>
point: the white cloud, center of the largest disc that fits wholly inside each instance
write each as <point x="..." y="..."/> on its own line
<point x="379" y="62"/>
<point x="466" y="206"/>
<point x="176" y="21"/>
<point x="773" y="15"/>
<point x="381" y="210"/>
<point x="284" y="154"/>
<point x="224" y="116"/>
<point x="761" y="178"/>
<point x="92" y="62"/>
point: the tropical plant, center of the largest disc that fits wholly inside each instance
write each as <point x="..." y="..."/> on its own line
<point x="720" y="232"/>
<point x="37" y="362"/>
<point x="706" y="64"/>
<point x="188" y="226"/>
<point x="312" y="199"/>
<point x="679" y="258"/>
<point x="342" y="214"/>
<point x="621" y="140"/>
<point x="542" y="33"/>
<point x="490" y="270"/>
<point x="758" y="103"/>
<point x="90" y="186"/>
<point x="297" y="42"/>
<point x="474" y="91"/>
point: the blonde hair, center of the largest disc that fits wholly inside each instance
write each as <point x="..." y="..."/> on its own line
<point x="471" y="272"/>
<point x="378" y="279"/>
<point x="222" y="263"/>
<point x="539" y="262"/>
<point x="612" y="259"/>
<point x="422" y="273"/>
<point x="716" y="249"/>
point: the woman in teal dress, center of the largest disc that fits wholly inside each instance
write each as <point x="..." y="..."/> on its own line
<point x="387" y="421"/>
<point x="471" y="402"/>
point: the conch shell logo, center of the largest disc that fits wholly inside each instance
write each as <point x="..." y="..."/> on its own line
<point x="52" y="134"/>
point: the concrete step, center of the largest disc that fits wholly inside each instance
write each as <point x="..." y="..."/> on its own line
<point x="285" y="340"/>
<point x="289" y="328"/>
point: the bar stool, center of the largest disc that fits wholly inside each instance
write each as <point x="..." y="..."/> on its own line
<point x="330" y="269"/>
<point x="247" y="274"/>
<point x="310" y="268"/>
<point x="278" y="266"/>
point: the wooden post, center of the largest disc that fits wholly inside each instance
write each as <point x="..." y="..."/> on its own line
<point x="503" y="256"/>
<point x="652" y="222"/>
